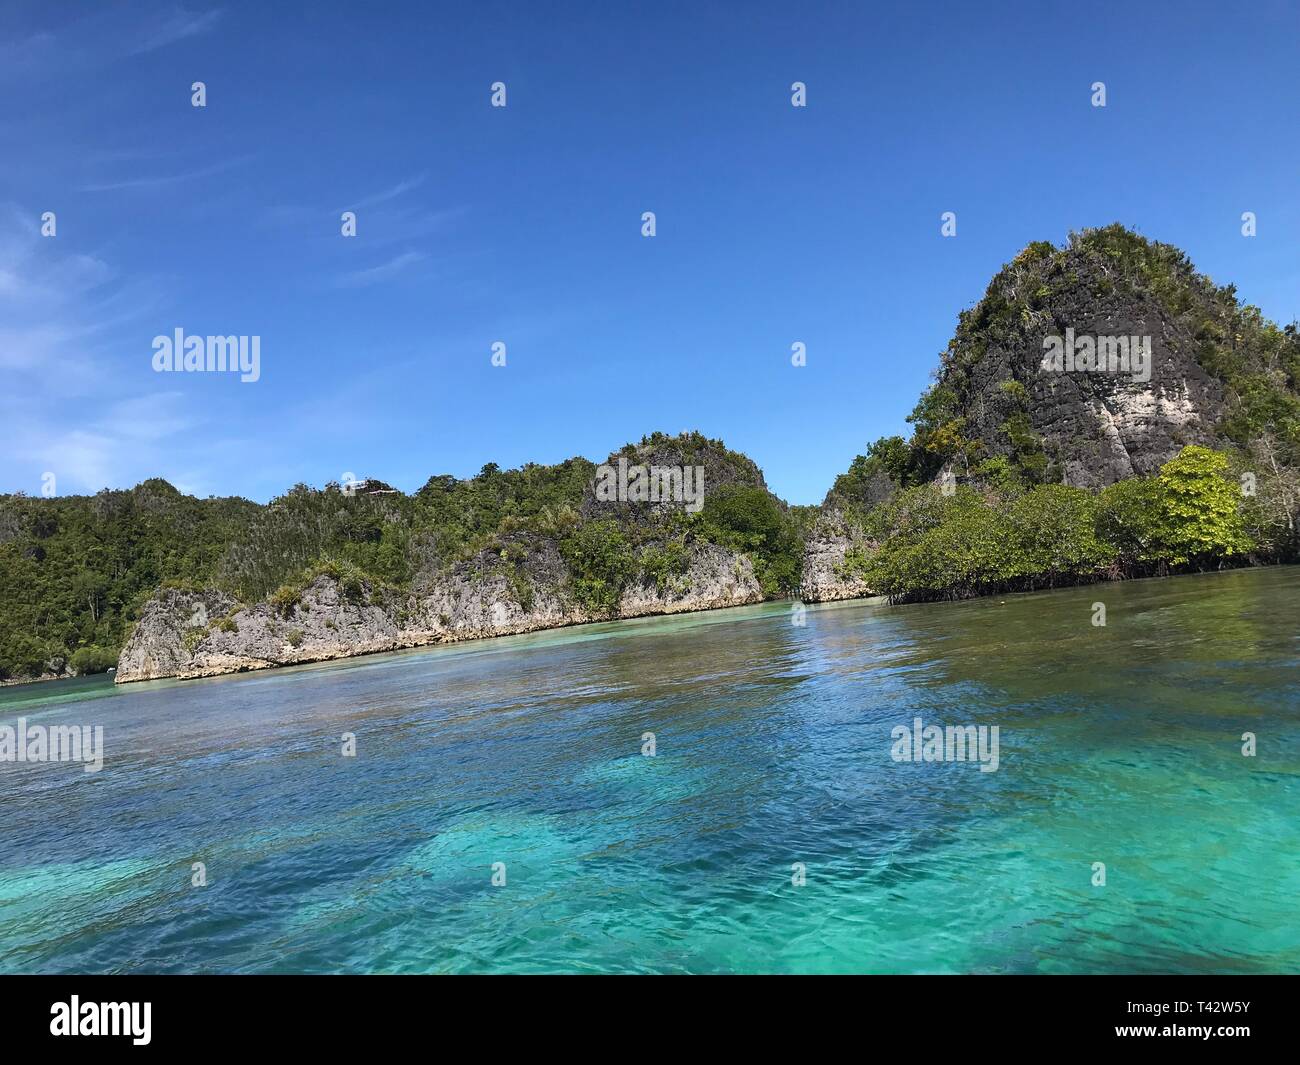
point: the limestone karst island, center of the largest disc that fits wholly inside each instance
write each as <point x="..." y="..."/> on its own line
<point x="1165" y="439"/>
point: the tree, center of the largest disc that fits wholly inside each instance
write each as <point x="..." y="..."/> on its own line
<point x="600" y="563"/>
<point x="1129" y="520"/>
<point x="1199" y="515"/>
<point x="749" y="519"/>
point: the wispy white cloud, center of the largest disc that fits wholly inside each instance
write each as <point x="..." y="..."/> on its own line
<point x="157" y="181"/>
<point x="175" y="25"/>
<point x="380" y="223"/>
<point x="80" y="460"/>
<point x="104" y="37"/>
<point x="37" y="285"/>
<point x="80" y="397"/>
<point x="388" y="194"/>
<point x="147" y="418"/>
<point x="392" y="226"/>
<point x="32" y="281"/>
<point x="27" y="54"/>
<point x="56" y="305"/>
<point x="106" y="451"/>
<point x="395" y="267"/>
<point x="31" y="347"/>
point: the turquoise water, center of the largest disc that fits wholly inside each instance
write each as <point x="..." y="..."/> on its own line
<point x="1119" y="745"/>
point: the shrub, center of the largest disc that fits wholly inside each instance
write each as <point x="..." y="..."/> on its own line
<point x="1054" y="529"/>
<point x="1128" y="518"/>
<point x="86" y="660"/>
<point x="664" y="563"/>
<point x="748" y="519"/>
<point x="284" y="600"/>
<point x="936" y="546"/>
<point x="600" y="562"/>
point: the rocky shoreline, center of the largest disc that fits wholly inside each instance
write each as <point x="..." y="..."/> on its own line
<point x="186" y="634"/>
<point x="15" y="681"/>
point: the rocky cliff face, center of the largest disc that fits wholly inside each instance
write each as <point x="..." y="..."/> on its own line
<point x="1094" y="425"/>
<point x="171" y="625"/>
<point x="714" y="578"/>
<point x="205" y="633"/>
<point x="829" y="541"/>
<point x="1089" y="364"/>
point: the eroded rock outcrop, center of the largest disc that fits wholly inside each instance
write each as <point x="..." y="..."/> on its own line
<point x="829" y="541"/>
<point x="714" y="578"/>
<point x="1096" y="427"/>
<point x="171" y="626"/>
<point x="205" y="633"/>
<point x="1090" y="363"/>
<point x="202" y="634"/>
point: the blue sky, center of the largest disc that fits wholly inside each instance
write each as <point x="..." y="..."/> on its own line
<point x="523" y="224"/>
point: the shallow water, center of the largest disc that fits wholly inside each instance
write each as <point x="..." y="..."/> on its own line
<point x="1119" y="745"/>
